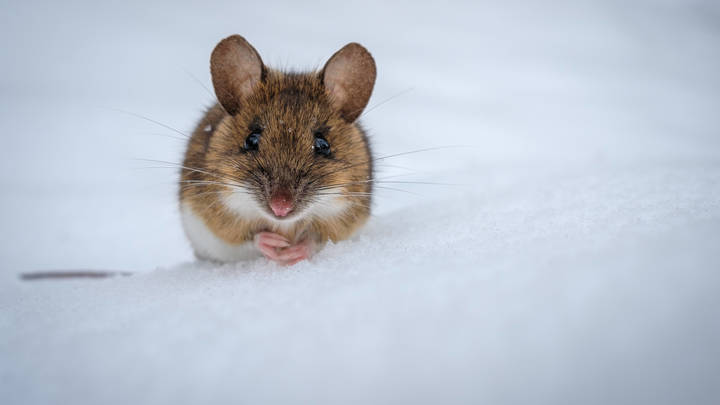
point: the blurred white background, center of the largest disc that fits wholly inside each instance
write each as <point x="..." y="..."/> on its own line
<point x="520" y="80"/>
<point x="577" y="264"/>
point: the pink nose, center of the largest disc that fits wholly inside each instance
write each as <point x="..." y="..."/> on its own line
<point x="281" y="204"/>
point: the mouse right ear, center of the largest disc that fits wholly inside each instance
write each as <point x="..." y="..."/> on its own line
<point x="236" y="68"/>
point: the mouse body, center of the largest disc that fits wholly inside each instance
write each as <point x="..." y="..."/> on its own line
<point x="280" y="165"/>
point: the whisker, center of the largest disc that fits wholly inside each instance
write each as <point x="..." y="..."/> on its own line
<point x="377" y="181"/>
<point x="351" y="194"/>
<point x="153" y="121"/>
<point x="369" y="194"/>
<point x="192" y="169"/>
<point x="403" y="154"/>
<point x="198" y="81"/>
<point x="383" y="164"/>
<point x="218" y="192"/>
<point x="179" y="138"/>
<point x="209" y="182"/>
<point x="423" y="150"/>
<point x="429" y="183"/>
<point x="398" y="189"/>
<point x="393" y="97"/>
<point x="232" y="189"/>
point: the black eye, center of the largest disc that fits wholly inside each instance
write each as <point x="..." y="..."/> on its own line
<point x="322" y="147"/>
<point x="252" y="141"/>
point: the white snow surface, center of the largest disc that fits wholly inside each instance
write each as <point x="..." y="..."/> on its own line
<point x="575" y="258"/>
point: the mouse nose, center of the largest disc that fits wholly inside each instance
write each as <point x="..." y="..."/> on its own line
<point x="281" y="203"/>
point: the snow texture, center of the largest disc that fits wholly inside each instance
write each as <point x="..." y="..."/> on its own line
<point x="576" y="258"/>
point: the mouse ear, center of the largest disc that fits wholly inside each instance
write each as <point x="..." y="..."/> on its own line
<point x="236" y="68"/>
<point x="349" y="77"/>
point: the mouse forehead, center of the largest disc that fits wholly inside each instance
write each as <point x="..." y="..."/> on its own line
<point x="288" y="100"/>
<point x="294" y="108"/>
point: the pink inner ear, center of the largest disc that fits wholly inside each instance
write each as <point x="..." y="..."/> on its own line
<point x="349" y="77"/>
<point x="337" y="94"/>
<point x="236" y="67"/>
<point x="247" y="81"/>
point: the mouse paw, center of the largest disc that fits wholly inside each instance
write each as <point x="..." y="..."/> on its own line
<point x="277" y="248"/>
<point x="268" y="244"/>
<point x="298" y="252"/>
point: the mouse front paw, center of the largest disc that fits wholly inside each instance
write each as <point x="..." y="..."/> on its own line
<point x="278" y="249"/>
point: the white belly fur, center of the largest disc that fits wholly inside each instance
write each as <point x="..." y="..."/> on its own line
<point x="209" y="246"/>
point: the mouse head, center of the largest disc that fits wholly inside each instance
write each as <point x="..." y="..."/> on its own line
<point x="290" y="139"/>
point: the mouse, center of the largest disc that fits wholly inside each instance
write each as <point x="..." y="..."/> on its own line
<point x="280" y="165"/>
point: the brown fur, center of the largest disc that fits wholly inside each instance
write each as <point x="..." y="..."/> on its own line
<point x="290" y="108"/>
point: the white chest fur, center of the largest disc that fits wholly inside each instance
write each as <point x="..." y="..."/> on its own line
<point x="209" y="246"/>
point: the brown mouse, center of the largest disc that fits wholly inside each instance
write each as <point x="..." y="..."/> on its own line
<point x="279" y="165"/>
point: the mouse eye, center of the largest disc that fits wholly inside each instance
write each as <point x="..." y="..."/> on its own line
<point x="252" y="141"/>
<point x="321" y="147"/>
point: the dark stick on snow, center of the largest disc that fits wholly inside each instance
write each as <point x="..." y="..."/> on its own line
<point x="46" y="275"/>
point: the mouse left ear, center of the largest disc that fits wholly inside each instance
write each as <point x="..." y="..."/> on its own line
<point x="349" y="77"/>
<point x="236" y="68"/>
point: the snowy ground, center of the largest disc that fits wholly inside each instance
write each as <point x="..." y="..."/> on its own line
<point x="577" y="261"/>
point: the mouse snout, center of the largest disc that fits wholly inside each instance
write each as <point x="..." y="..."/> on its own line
<point x="281" y="203"/>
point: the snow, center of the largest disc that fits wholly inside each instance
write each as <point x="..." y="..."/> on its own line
<point x="574" y="258"/>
